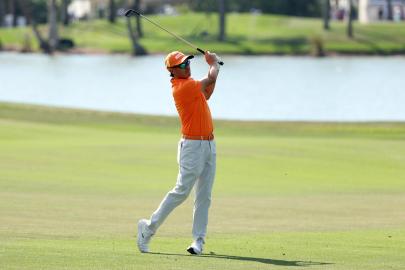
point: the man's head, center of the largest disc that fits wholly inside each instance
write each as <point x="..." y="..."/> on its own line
<point x="178" y="64"/>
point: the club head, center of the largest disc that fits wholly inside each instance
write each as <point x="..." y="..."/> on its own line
<point x="129" y="12"/>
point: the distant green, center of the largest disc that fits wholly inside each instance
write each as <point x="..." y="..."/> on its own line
<point x="288" y="195"/>
<point x="246" y="34"/>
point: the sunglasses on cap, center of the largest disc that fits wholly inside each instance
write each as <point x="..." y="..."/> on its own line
<point x="183" y="65"/>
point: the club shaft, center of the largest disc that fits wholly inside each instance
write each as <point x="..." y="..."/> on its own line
<point x="171" y="33"/>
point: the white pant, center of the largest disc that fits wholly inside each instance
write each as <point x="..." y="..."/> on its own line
<point x="197" y="163"/>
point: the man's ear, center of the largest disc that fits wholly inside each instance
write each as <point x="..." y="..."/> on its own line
<point x="171" y="72"/>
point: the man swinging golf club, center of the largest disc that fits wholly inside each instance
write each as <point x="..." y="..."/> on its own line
<point x="196" y="150"/>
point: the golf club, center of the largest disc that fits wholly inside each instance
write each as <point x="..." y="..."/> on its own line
<point x="129" y="12"/>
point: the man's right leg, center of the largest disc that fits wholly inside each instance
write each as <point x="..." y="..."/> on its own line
<point x="147" y="228"/>
<point x="189" y="169"/>
<point x="185" y="182"/>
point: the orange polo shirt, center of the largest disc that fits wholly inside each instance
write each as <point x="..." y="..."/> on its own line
<point x="195" y="115"/>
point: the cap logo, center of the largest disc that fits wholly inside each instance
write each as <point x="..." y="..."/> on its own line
<point x="178" y="55"/>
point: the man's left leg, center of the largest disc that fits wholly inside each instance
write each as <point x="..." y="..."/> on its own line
<point x="202" y="201"/>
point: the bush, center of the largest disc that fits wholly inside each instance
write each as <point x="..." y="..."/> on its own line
<point x="65" y="44"/>
<point x="183" y="9"/>
<point x="317" y="46"/>
<point x="27" y="44"/>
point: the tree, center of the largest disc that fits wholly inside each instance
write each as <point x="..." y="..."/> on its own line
<point x="38" y="10"/>
<point x="137" y="5"/>
<point x="305" y="8"/>
<point x="53" y="24"/>
<point x="113" y="12"/>
<point x="2" y="12"/>
<point x="27" y="7"/>
<point x="47" y="45"/>
<point x="65" y="16"/>
<point x="222" y="18"/>
<point x="350" y="20"/>
<point x="137" y="48"/>
<point x="13" y="11"/>
<point x="326" y="14"/>
<point x="389" y="7"/>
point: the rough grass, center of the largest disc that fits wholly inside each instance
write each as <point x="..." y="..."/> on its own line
<point x="246" y="34"/>
<point x="74" y="183"/>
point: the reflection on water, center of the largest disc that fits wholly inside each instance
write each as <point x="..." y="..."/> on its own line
<point x="249" y="87"/>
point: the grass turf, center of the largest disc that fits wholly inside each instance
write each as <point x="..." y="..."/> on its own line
<point x="246" y="34"/>
<point x="316" y="195"/>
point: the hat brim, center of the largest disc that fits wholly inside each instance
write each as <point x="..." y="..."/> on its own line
<point x="181" y="60"/>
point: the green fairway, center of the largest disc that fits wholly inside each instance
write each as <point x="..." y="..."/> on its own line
<point x="74" y="183"/>
<point x="246" y="34"/>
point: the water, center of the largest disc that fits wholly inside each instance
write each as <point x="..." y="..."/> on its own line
<point x="249" y="87"/>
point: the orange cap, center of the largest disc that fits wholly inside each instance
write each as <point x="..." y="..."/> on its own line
<point x="176" y="58"/>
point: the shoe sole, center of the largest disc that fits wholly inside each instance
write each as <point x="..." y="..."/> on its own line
<point x="192" y="251"/>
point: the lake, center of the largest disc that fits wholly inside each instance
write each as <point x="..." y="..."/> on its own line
<point x="248" y="88"/>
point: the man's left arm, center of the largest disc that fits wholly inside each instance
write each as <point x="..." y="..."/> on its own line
<point x="209" y="90"/>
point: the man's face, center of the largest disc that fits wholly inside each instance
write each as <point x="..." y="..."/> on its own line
<point x="181" y="71"/>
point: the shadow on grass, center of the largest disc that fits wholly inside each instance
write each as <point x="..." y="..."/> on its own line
<point x="251" y="259"/>
<point x="374" y="46"/>
<point x="374" y="39"/>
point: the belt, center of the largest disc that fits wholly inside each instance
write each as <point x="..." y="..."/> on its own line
<point x="199" y="138"/>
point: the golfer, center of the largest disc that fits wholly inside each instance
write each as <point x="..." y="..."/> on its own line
<point x="196" y="150"/>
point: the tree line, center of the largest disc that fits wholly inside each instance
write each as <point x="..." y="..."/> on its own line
<point x="54" y="12"/>
<point x="301" y="8"/>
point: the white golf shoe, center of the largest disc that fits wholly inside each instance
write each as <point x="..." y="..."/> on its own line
<point x="144" y="236"/>
<point x="196" y="247"/>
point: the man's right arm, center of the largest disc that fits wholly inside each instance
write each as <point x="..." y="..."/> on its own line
<point x="208" y="83"/>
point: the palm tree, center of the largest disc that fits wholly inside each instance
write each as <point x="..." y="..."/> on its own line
<point x="53" y="25"/>
<point x="2" y="12"/>
<point x="137" y="5"/>
<point x="113" y="12"/>
<point x="137" y="48"/>
<point x="27" y="11"/>
<point x="65" y="16"/>
<point x="326" y="14"/>
<point x="389" y="7"/>
<point x="222" y="17"/>
<point x="12" y="5"/>
<point x="350" y="20"/>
